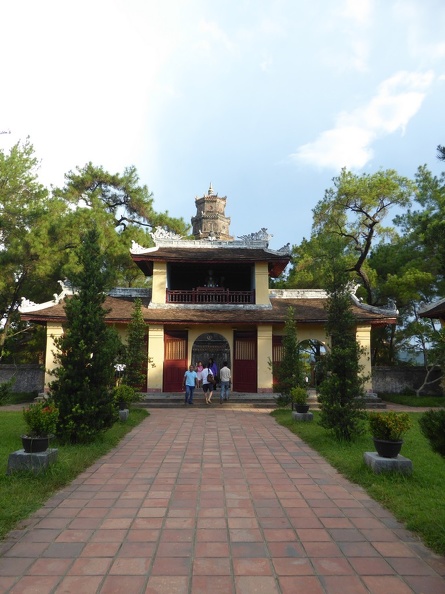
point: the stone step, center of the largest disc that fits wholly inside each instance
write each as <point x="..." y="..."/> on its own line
<point x="237" y="400"/>
<point x="177" y="401"/>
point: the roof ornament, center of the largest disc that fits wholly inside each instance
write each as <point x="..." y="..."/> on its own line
<point x="210" y="192"/>
<point x="261" y="235"/>
<point x="160" y="233"/>
<point x="136" y="248"/>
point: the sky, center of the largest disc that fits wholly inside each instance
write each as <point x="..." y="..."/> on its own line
<point x="267" y="100"/>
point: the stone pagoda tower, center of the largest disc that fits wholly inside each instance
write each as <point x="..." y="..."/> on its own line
<point x="210" y="221"/>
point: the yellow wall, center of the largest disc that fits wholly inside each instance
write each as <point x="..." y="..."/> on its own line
<point x="156" y="358"/>
<point x="261" y="284"/>
<point x="195" y="332"/>
<point x="53" y="331"/>
<point x="264" y="356"/>
<point x="159" y="282"/>
<point x="264" y="349"/>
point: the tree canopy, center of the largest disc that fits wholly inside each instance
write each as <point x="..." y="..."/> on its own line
<point x="40" y="231"/>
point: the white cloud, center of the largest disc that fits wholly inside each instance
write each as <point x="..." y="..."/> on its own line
<point x="214" y="34"/>
<point x="348" y="144"/>
<point x="358" y="10"/>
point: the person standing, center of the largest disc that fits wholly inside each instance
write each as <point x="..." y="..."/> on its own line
<point x="198" y="369"/>
<point x="190" y="383"/>
<point x="207" y="383"/>
<point x="225" y="377"/>
<point x="214" y="369"/>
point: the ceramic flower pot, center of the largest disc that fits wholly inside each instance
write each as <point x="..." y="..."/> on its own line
<point x="301" y="408"/>
<point x="387" y="449"/>
<point x="34" y="445"/>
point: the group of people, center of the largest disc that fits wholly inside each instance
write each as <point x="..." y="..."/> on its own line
<point x="198" y="376"/>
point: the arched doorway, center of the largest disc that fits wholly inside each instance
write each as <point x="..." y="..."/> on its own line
<point x="211" y="345"/>
<point x="313" y="351"/>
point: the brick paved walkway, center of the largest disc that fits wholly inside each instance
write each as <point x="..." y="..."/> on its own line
<point x="215" y="501"/>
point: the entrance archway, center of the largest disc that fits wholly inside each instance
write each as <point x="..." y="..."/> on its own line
<point x="211" y="345"/>
<point x="314" y="350"/>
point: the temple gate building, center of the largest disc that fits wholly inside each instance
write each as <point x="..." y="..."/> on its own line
<point x="210" y="297"/>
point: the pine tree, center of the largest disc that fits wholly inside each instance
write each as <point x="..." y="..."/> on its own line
<point x="341" y="392"/>
<point x="289" y="372"/>
<point x="87" y="353"/>
<point x="136" y="351"/>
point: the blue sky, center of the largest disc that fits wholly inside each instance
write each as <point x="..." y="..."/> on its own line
<point x="265" y="99"/>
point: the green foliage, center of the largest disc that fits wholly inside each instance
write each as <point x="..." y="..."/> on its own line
<point x="298" y="395"/>
<point x="121" y="209"/>
<point x="41" y="418"/>
<point x="136" y="357"/>
<point x="412" y="400"/>
<point x="25" y="214"/>
<point x="123" y="396"/>
<point x="342" y="390"/>
<point x="390" y="426"/>
<point x="432" y="425"/>
<point x="87" y="353"/>
<point x="289" y="372"/>
<point x="6" y="391"/>
<point x="353" y="211"/>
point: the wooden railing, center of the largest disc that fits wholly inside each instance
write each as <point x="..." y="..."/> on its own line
<point x="210" y="295"/>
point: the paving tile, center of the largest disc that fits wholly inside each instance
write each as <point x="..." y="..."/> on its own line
<point x="211" y="566"/>
<point x="344" y="584"/>
<point x="303" y="583"/>
<point x="332" y="566"/>
<point x="167" y="585"/>
<point x="409" y="566"/>
<point x="371" y="566"/>
<point x="117" y="584"/>
<point x="35" y="583"/>
<point x="257" y="584"/>
<point x="292" y="566"/>
<point x="388" y="585"/>
<point x="90" y="566"/>
<point x="426" y="584"/>
<point x="252" y="566"/>
<point x="130" y="566"/>
<point x="215" y="585"/>
<point x="49" y="567"/>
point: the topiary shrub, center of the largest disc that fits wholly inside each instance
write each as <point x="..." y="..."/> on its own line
<point x="432" y="425"/>
<point x="390" y="426"/>
<point x="6" y="391"/>
<point x="123" y="396"/>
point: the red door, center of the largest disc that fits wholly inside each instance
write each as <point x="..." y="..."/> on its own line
<point x="175" y="360"/>
<point x="245" y="362"/>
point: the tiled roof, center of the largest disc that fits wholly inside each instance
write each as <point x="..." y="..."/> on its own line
<point x="433" y="310"/>
<point x="276" y="261"/>
<point x="306" y="311"/>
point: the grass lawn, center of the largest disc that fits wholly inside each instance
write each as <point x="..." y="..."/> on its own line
<point x="417" y="500"/>
<point x="412" y="400"/>
<point x="23" y="492"/>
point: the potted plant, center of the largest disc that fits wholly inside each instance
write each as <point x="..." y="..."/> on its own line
<point x="387" y="430"/>
<point x="123" y="396"/>
<point x="41" y="420"/>
<point x="299" y="399"/>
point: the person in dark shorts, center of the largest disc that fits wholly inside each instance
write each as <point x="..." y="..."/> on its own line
<point x="207" y="384"/>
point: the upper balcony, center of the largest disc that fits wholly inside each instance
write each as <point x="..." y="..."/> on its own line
<point x="209" y="295"/>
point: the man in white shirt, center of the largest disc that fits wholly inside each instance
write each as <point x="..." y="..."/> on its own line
<point x="225" y="377"/>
